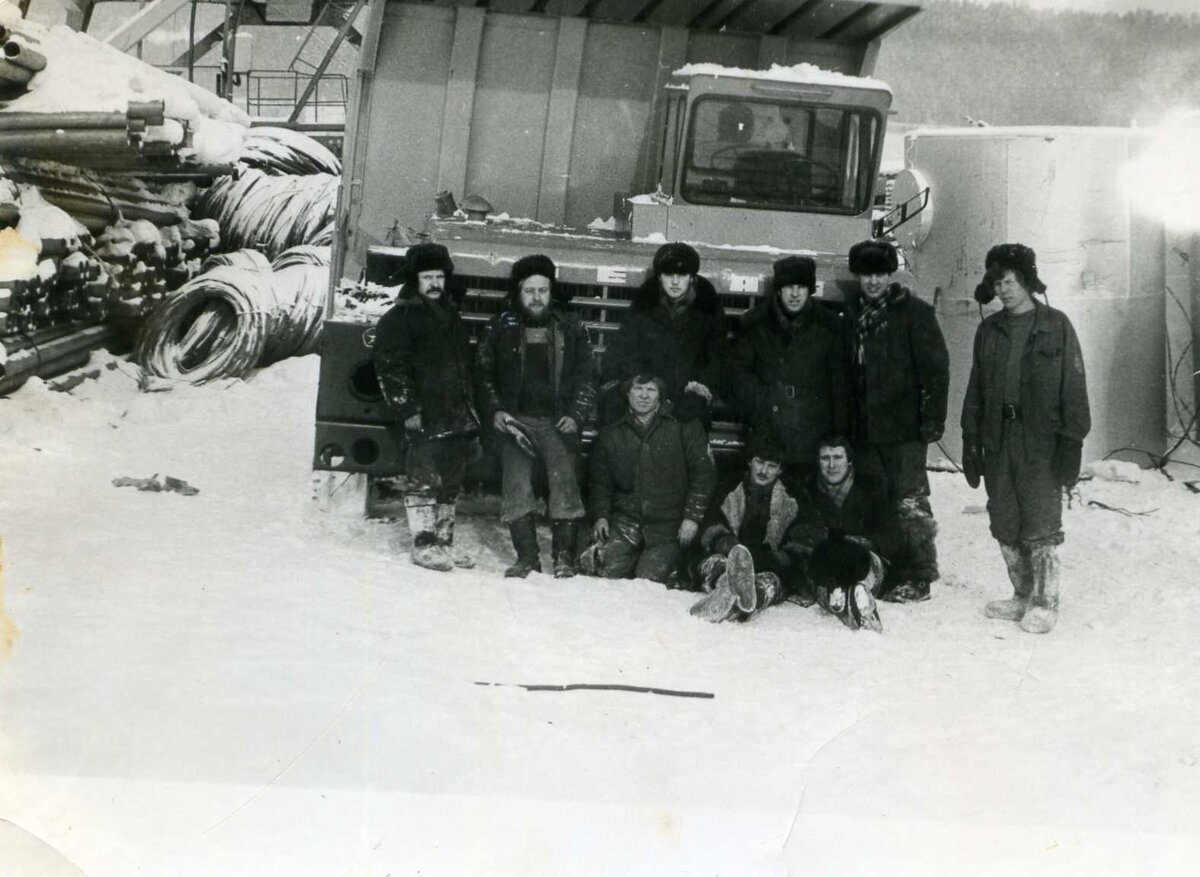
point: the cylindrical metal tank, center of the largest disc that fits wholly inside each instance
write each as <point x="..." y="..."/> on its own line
<point x="1059" y="191"/>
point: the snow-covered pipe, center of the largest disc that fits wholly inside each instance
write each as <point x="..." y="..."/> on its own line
<point x="151" y="111"/>
<point x="19" y="53"/>
<point x="72" y="139"/>
<point x="14" y="74"/>
<point x="51" y="121"/>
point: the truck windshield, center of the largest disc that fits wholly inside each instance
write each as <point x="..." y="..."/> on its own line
<point x="778" y="155"/>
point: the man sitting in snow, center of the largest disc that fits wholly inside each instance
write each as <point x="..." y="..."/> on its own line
<point x="744" y="560"/>
<point x="842" y="527"/>
<point x="422" y="358"/>
<point x="651" y="479"/>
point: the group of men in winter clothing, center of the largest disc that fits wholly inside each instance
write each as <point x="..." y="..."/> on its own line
<point x="842" y="403"/>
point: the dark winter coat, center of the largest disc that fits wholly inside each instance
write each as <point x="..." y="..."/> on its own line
<point x="691" y="347"/>
<point x="864" y="513"/>
<point x="422" y="359"/>
<point x="1053" y="392"/>
<point x="659" y="474"/>
<point x="500" y="365"/>
<point x="792" y="375"/>
<point x="900" y="391"/>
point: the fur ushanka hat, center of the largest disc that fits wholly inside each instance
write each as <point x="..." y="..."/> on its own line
<point x="1018" y="258"/>
<point x="873" y="257"/>
<point x="795" y="271"/>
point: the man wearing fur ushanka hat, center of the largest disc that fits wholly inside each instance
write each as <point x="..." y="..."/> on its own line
<point x="422" y="358"/>
<point x="675" y="329"/>
<point x="533" y="365"/>
<point x="900" y="377"/>
<point x="1024" y="418"/>
<point x="789" y="366"/>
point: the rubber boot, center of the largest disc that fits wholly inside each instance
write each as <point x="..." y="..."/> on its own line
<point x="426" y="551"/>
<point x="562" y="548"/>
<point x="720" y="604"/>
<point x="444" y="527"/>
<point x="769" y="588"/>
<point x="1042" y="614"/>
<point x="1020" y="574"/>
<point x="710" y="570"/>
<point x="862" y="611"/>
<point x="524" y="539"/>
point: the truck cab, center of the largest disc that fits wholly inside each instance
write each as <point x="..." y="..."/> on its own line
<point x="785" y="157"/>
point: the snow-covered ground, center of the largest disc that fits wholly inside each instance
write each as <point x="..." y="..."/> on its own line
<point x="253" y="680"/>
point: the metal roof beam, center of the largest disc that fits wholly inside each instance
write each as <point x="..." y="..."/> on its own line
<point x="894" y="22"/>
<point x="135" y="30"/>
<point x="792" y="17"/>
<point x="850" y="20"/>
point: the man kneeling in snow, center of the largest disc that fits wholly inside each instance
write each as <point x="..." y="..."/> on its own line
<point x="841" y="529"/>
<point x="744" y="563"/>
<point x="651" y="479"/>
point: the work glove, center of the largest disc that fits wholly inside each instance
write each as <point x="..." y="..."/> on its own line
<point x="972" y="463"/>
<point x="508" y="425"/>
<point x="1065" y="463"/>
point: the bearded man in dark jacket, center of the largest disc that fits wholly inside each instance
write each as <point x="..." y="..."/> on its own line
<point x="534" y="368"/>
<point x="789" y="367"/>
<point x="422" y="359"/>
<point x="1025" y="415"/>
<point x="674" y="329"/>
<point x="651" y="479"/>
<point x="900" y="375"/>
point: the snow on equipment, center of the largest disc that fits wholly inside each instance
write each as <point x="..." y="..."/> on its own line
<point x="272" y="212"/>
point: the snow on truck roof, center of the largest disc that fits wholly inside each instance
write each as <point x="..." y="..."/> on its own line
<point x="804" y="74"/>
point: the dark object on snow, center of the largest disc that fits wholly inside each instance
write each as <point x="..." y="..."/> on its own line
<point x="594" y="686"/>
<point x="153" y="485"/>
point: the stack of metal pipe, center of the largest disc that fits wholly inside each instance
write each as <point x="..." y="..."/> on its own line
<point x="20" y="61"/>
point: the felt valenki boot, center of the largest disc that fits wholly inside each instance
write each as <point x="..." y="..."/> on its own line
<point x="562" y="548"/>
<point x="524" y="538"/>
<point x="1042" y="614"/>
<point x="1020" y="573"/>
<point x="426" y="552"/>
<point x="444" y="528"/>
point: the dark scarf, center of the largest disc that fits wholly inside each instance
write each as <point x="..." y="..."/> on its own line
<point x="676" y="309"/>
<point x="871" y="320"/>
<point x="838" y="492"/>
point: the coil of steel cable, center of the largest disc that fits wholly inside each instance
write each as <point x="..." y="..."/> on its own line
<point x="301" y="278"/>
<point x="271" y="213"/>
<point x="214" y="326"/>
<point x="242" y="314"/>
<point x="284" y="151"/>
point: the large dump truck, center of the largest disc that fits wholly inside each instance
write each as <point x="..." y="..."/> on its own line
<point x="747" y="128"/>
